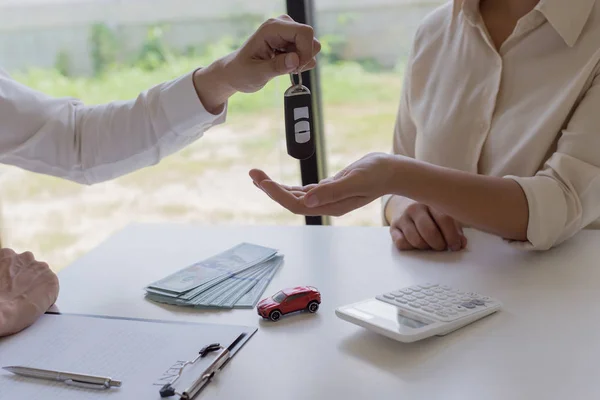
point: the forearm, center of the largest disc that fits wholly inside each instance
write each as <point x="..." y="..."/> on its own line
<point x="491" y="204"/>
<point x="212" y="85"/>
<point x="90" y="144"/>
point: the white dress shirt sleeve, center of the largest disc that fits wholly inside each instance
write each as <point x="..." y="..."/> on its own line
<point x="90" y="144"/>
<point x="564" y="196"/>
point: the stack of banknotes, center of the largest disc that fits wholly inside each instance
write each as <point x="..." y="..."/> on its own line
<point x="235" y="278"/>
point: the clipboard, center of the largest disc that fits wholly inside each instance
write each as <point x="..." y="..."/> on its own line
<point x="118" y="347"/>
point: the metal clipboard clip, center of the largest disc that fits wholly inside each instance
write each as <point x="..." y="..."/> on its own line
<point x="219" y="361"/>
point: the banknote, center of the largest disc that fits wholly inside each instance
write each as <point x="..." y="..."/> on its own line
<point x="237" y="287"/>
<point x="213" y="269"/>
<point x="250" y="299"/>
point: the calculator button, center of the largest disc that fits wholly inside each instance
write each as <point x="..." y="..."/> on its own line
<point x="477" y="302"/>
<point x="427" y="285"/>
<point x="435" y="306"/>
<point x="397" y="294"/>
<point x="468" y="305"/>
<point x="428" y="309"/>
<point x="414" y="305"/>
<point x="415" y="288"/>
<point x="388" y="296"/>
<point x="419" y="295"/>
<point x="437" y="289"/>
<point x="450" y="311"/>
<point x="410" y="298"/>
<point x="447" y="304"/>
<point x="446" y="287"/>
<point x="485" y="298"/>
<point x="441" y="296"/>
<point x="466" y="298"/>
<point x="406" y="291"/>
<point x="401" y="300"/>
<point x="450" y="294"/>
<point x="441" y="314"/>
<point x="422" y="302"/>
<point x="456" y="301"/>
<point x="473" y="294"/>
<point x="432" y="300"/>
<point x="428" y="292"/>
<point x="460" y="309"/>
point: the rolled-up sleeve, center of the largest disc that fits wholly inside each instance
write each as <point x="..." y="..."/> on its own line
<point x="90" y="144"/>
<point x="564" y="196"/>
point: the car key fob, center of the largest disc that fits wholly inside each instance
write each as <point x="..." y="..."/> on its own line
<point x="299" y="127"/>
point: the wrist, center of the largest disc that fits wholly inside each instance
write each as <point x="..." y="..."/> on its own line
<point x="213" y="85"/>
<point x="396" y="166"/>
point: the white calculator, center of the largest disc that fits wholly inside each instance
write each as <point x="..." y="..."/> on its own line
<point x="417" y="312"/>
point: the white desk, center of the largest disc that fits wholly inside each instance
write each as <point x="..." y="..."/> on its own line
<point x="543" y="345"/>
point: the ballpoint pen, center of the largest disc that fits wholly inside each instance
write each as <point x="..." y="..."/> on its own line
<point x="68" y="378"/>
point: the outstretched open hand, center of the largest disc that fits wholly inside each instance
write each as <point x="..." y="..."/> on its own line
<point x="353" y="187"/>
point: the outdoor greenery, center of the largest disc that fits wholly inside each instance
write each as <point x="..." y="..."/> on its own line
<point x="206" y="182"/>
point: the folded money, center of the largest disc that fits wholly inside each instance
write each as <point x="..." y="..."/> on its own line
<point x="235" y="278"/>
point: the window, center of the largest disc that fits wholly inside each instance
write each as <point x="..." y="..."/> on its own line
<point x="278" y="297"/>
<point x="75" y="48"/>
<point x="366" y="47"/>
<point x="294" y="297"/>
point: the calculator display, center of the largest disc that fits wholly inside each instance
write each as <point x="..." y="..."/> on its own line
<point x="389" y="312"/>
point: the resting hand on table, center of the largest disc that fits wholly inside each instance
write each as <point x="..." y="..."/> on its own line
<point x="415" y="226"/>
<point x="353" y="187"/>
<point x="27" y="290"/>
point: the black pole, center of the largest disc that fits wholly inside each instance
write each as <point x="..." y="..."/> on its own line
<point x="314" y="168"/>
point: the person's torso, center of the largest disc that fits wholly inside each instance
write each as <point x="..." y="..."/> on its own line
<point x="498" y="113"/>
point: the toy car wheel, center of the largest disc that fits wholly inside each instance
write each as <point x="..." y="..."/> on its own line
<point x="275" y="315"/>
<point x="313" y="306"/>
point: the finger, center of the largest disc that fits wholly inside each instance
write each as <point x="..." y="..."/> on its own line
<point x="429" y="231"/>
<point x="27" y="256"/>
<point x="298" y="193"/>
<point x="463" y="238"/>
<point x="309" y="66"/>
<point x="450" y="231"/>
<point x="332" y="192"/>
<point x="316" y="47"/>
<point x="399" y="240"/>
<point x="338" y="209"/>
<point x="299" y="188"/>
<point x="286" y="17"/>
<point x="282" y="196"/>
<point x="412" y="235"/>
<point x="285" y="63"/>
<point x="258" y="176"/>
<point x="300" y="35"/>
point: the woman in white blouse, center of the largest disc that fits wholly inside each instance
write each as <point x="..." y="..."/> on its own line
<point x="90" y="144"/>
<point x="498" y="129"/>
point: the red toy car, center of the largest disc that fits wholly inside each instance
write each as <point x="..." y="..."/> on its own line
<point x="289" y="300"/>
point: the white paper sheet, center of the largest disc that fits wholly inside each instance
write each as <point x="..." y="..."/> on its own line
<point x="139" y="353"/>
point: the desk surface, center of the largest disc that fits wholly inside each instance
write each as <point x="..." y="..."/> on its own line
<point x="543" y="345"/>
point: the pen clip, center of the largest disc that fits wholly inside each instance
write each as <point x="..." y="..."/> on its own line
<point x="86" y="385"/>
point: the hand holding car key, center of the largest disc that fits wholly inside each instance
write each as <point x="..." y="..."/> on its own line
<point x="299" y="120"/>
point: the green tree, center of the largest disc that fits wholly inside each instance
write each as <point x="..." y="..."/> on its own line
<point x="104" y="47"/>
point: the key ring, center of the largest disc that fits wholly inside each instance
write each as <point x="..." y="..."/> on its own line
<point x="299" y="79"/>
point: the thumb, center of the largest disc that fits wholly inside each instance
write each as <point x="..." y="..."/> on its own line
<point x="283" y="64"/>
<point x="330" y="192"/>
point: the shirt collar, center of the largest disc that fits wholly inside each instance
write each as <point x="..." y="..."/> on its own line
<point x="566" y="18"/>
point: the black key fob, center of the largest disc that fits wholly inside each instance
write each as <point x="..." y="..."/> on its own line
<point x="299" y="127"/>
